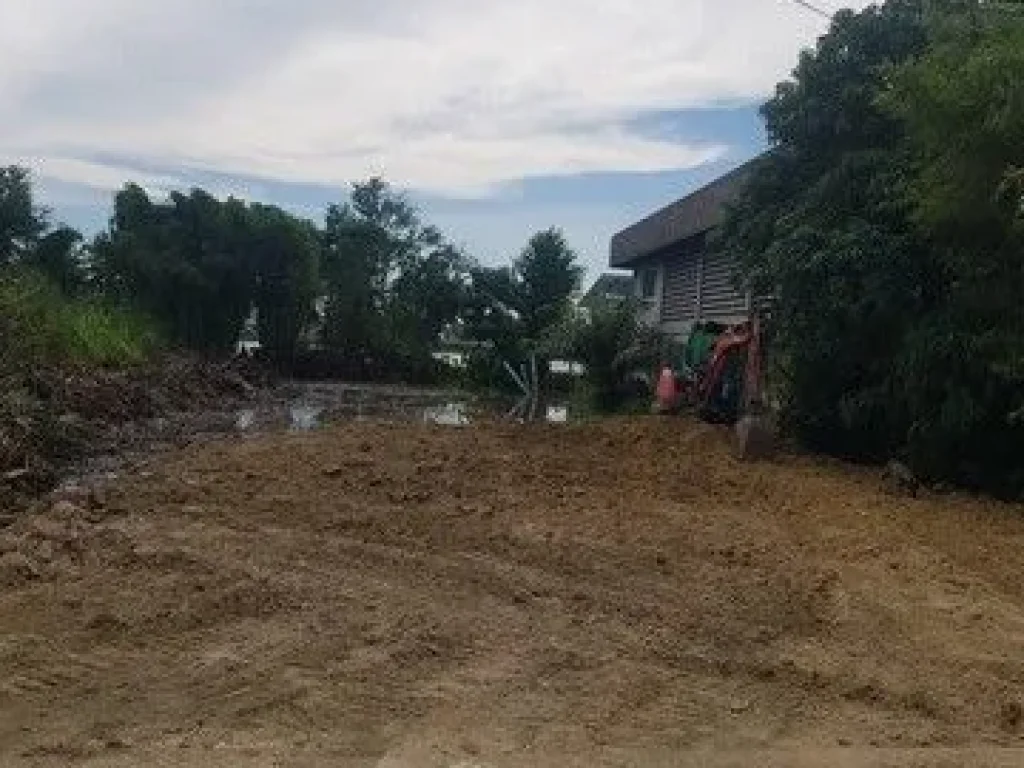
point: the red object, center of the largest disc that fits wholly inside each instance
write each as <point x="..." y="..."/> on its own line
<point x="668" y="391"/>
<point x="738" y="337"/>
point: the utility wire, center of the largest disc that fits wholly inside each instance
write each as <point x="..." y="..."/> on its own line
<point x="813" y="8"/>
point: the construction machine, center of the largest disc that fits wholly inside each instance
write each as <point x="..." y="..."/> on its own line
<point x="723" y="379"/>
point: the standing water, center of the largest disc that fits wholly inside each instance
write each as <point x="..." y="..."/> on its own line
<point x="305" y="417"/>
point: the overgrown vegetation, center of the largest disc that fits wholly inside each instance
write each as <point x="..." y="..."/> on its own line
<point x="392" y="284"/>
<point x="369" y="294"/>
<point x="40" y="324"/>
<point x="887" y="224"/>
<point x="619" y="352"/>
<point x="48" y="316"/>
<point x="512" y="310"/>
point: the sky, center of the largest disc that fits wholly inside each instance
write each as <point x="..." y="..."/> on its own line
<point x="498" y="117"/>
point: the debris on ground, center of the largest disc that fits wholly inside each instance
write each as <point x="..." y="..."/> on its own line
<point x="51" y="418"/>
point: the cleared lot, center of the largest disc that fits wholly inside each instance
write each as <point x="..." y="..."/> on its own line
<point x="621" y="593"/>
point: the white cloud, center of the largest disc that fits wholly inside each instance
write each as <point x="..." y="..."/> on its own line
<point x="443" y="95"/>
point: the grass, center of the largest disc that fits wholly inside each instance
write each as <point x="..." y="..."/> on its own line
<point x="96" y="334"/>
<point x="40" y="326"/>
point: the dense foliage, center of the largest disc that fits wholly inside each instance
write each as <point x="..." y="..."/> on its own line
<point x="374" y="291"/>
<point x="199" y="266"/>
<point x="618" y="349"/>
<point x="392" y="284"/>
<point x="46" y="314"/>
<point x="885" y="223"/>
<point x="512" y="309"/>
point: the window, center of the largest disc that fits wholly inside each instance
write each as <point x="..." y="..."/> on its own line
<point x="648" y="284"/>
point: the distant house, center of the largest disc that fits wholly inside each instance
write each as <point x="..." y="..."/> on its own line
<point x="677" y="279"/>
<point x="608" y="287"/>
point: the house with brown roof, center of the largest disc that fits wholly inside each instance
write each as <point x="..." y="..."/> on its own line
<point x="676" y="278"/>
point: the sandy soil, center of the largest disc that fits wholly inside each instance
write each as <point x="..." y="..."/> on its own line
<point x="618" y="594"/>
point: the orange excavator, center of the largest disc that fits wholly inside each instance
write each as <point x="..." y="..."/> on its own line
<point x="730" y="381"/>
<point x="723" y="380"/>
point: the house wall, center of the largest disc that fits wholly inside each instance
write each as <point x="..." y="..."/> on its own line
<point x="693" y="286"/>
<point x="650" y="307"/>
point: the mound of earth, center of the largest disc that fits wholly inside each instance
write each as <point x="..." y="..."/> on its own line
<point x="615" y="594"/>
<point x="50" y="418"/>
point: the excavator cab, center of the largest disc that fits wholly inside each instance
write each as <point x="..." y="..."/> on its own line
<point x="727" y="385"/>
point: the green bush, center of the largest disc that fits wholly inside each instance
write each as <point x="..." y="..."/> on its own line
<point x="886" y="224"/>
<point x="40" y="326"/>
<point x="617" y="350"/>
<point x="95" y="333"/>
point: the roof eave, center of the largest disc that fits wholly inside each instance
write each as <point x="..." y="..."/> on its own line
<point x="698" y="212"/>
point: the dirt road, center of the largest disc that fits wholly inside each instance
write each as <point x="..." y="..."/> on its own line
<point x="600" y="595"/>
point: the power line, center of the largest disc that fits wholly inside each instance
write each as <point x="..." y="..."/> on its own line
<point x="813" y="8"/>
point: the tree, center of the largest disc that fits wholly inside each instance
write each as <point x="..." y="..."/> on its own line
<point x="21" y="221"/>
<point x="963" y="370"/>
<point x="392" y="283"/>
<point x="58" y="255"/>
<point x="182" y="261"/>
<point x="285" y="254"/>
<point x="427" y="296"/>
<point x="823" y="228"/>
<point x="547" y="275"/>
<point x="885" y="225"/>
<point x="515" y="306"/>
<point x="513" y="309"/>
<point x="199" y="266"/>
<point x="28" y="239"/>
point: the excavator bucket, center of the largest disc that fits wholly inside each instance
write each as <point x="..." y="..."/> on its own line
<point x="755" y="433"/>
<point x="755" y="437"/>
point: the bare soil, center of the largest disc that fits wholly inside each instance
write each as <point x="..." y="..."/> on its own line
<point x="614" y="594"/>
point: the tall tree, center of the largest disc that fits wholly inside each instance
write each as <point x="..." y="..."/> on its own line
<point x="885" y="224"/>
<point x="285" y="251"/>
<point x="181" y="262"/>
<point x="22" y="223"/>
<point x="963" y="371"/>
<point x="392" y="283"/>
<point x="199" y="266"/>
<point x="548" y="273"/>
<point x="58" y="255"/>
<point x="514" y="308"/>
<point x="823" y="228"/>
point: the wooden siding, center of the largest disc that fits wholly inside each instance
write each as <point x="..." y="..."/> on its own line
<point x="697" y="285"/>
<point x="680" y="293"/>
<point x="719" y="299"/>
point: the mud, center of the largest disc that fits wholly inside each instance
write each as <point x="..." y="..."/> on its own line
<point x="95" y="425"/>
<point x="623" y="593"/>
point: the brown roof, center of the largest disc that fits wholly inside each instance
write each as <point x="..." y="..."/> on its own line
<point x="684" y="218"/>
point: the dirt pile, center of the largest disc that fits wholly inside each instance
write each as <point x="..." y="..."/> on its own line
<point x="49" y="418"/>
<point x="169" y="384"/>
<point x="623" y="593"/>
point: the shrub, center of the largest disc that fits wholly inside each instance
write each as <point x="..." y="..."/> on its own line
<point x="39" y="326"/>
<point x="617" y="350"/>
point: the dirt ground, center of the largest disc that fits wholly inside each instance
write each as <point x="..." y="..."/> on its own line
<point x="611" y="594"/>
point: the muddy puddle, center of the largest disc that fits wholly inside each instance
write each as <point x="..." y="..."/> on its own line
<point x="292" y="407"/>
<point x="311" y="407"/>
<point x="305" y="408"/>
